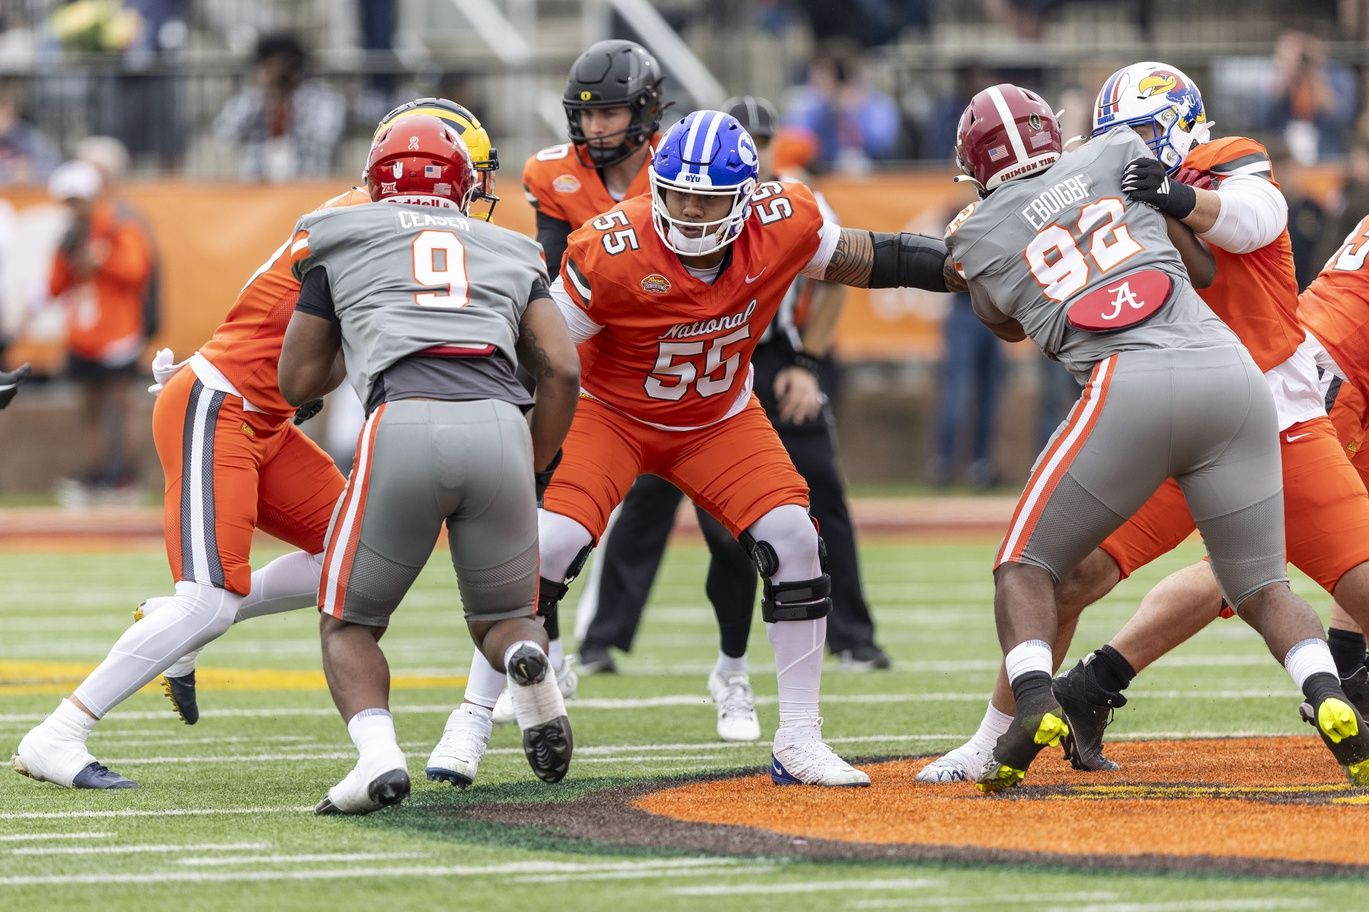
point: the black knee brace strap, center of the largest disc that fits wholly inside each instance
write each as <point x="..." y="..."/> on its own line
<point x="762" y="554"/>
<point x="549" y="595"/>
<point x="797" y="600"/>
<point x="576" y="565"/>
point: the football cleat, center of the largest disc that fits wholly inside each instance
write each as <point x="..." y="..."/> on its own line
<point x="964" y="764"/>
<point x="809" y="761"/>
<point x="456" y="758"/>
<point x="1087" y="720"/>
<point x="361" y="793"/>
<point x="736" y="703"/>
<point x="540" y="710"/>
<point x="1027" y="736"/>
<point x="1356" y="687"/>
<point x="867" y="657"/>
<point x="596" y="660"/>
<point x="64" y="762"/>
<point x="178" y="681"/>
<point x="1343" y="732"/>
<point x="566" y="679"/>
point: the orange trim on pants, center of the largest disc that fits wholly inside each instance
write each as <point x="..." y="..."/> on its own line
<point x="344" y="533"/>
<point x="737" y="469"/>
<point x="1055" y="462"/>
<point x="1326" y="511"/>
<point x="247" y="471"/>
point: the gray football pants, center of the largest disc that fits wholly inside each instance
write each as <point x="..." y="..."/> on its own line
<point x="1204" y="417"/>
<point x="421" y="464"/>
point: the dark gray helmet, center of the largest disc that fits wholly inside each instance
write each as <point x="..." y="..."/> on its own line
<point x="756" y="114"/>
<point x="614" y="74"/>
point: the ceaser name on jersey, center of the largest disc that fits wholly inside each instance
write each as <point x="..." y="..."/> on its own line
<point x="1053" y="201"/>
<point x="706" y="327"/>
<point x="427" y="220"/>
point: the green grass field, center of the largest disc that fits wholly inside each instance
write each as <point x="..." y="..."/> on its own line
<point x="223" y="822"/>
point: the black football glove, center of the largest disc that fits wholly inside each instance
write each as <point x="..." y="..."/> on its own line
<point x="543" y="478"/>
<point x="10" y="383"/>
<point x="307" y="411"/>
<point x="1144" y="181"/>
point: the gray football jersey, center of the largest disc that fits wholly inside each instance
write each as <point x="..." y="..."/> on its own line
<point x="1037" y="245"/>
<point x="405" y="278"/>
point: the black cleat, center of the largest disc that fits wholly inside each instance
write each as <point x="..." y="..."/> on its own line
<point x="1343" y="732"/>
<point x="1031" y="732"/>
<point x="1356" y="687"/>
<point x="1087" y="720"/>
<point x="548" y="748"/>
<point x="98" y="776"/>
<point x="596" y="660"/>
<point x="389" y="788"/>
<point x="181" y="692"/>
<point x="541" y="713"/>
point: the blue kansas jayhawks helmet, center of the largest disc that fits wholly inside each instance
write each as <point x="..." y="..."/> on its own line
<point x="707" y="153"/>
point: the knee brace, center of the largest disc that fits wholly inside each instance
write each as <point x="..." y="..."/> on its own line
<point x="549" y="595"/>
<point x="797" y="600"/>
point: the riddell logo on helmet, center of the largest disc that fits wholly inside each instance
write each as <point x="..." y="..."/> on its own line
<point x="655" y="284"/>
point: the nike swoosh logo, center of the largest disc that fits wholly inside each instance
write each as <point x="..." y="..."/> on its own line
<point x="1290" y="438"/>
<point x="776" y="768"/>
<point x="752" y="278"/>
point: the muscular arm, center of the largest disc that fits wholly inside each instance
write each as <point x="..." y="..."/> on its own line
<point x="547" y="354"/>
<point x="308" y="358"/>
<point x="824" y="310"/>
<point x="1002" y="325"/>
<point x="871" y="259"/>
<point x="1198" y="260"/>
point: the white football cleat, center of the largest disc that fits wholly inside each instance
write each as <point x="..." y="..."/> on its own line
<point x="964" y="764"/>
<point x="566" y="679"/>
<point x="801" y="758"/>
<point x="541" y="712"/>
<point x="65" y="762"/>
<point x="365" y="790"/>
<point x="456" y="758"/>
<point x="736" y="703"/>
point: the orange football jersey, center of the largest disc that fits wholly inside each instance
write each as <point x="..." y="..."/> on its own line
<point x="246" y="346"/>
<point x="561" y="186"/>
<point x="675" y="351"/>
<point x="1335" y="307"/>
<point x="105" y="311"/>
<point x="1256" y="293"/>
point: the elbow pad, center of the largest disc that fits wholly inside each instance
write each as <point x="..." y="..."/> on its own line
<point x="906" y="260"/>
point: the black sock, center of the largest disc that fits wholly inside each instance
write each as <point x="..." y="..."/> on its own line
<point x="1319" y="686"/>
<point x="1032" y="688"/>
<point x="1347" y="650"/>
<point x="1109" y="670"/>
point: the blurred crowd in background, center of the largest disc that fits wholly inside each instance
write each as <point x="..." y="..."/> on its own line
<point x="94" y="93"/>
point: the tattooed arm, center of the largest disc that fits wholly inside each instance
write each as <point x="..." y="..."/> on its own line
<point x="876" y="259"/>
<point x="546" y="352"/>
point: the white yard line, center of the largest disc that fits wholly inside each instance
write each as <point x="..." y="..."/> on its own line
<point x="143" y="849"/>
<point x="210" y="861"/>
<point x="1192" y="905"/>
<point x="151" y="812"/>
<point x="45" y="837"/>
<point x="946" y="902"/>
<point x="808" y="886"/>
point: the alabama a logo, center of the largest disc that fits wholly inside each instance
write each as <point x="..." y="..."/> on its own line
<point x="655" y="284"/>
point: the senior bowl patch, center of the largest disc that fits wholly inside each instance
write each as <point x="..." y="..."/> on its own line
<point x="566" y="183"/>
<point x="655" y="284"/>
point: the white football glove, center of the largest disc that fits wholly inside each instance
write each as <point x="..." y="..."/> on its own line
<point x="164" y="367"/>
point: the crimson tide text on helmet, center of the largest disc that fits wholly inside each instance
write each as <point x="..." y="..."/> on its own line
<point x="614" y="74"/>
<point x="420" y="156"/>
<point x="484" y="156"/>
<point x="1006" y="132"/>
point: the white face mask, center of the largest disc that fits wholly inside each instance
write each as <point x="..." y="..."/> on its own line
<point x="682" y="243"/>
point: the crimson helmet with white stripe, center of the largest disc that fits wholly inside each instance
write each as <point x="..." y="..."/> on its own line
<point x="1006" y="132"/>
<point x="421" y="155"/>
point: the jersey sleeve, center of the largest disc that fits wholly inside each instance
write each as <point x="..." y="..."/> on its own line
<point x="576" y="268"/>
<point x="1231" y="156"/>
<point x="301" y="246"/>
<point x="796" y="220"/>
<point x="537" y="188"/>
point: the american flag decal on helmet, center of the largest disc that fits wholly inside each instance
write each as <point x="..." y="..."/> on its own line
<point x="433" y="171"/>
<point x="998" y="153"/>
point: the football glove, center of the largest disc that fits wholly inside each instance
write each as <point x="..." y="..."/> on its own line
<point x="10" y="383"/>
<point x="1144" y="181"/>
<point x="307" y="411"/>
<point x="543" y="478"/>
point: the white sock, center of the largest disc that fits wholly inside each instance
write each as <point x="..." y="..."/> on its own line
<point x="69" y="723"/>
<point x="287" y="583"/>
<point x="373" y="733"/>
<point x="798" y="668"/>
<point x="991" y="727"/>
<point x="1028" y="656"/>
<point x="557" y="653"/>
<point x="484" y="684"/>
<point x="727" y="666"/>
<point x="476" y="709"/>
<point x="508" y="653"/>
<point x="195" y="616"/>
<point x="1309" y="657"/>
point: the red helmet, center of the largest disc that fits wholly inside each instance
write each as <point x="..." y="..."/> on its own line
<point x="420" y="155"/>
<point x="1006" y="132"/>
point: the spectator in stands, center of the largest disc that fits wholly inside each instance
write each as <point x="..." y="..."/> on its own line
<point x="100" y="274"/>
<point x="111" y="159"/>
<point x="1310" y="99"/>
<point x="854" y="123"/>
<point x="287" y="124"/>
<point x="1308" y="221"/>
<point x="1352" y="202"/>
<point x="26" y="156"/>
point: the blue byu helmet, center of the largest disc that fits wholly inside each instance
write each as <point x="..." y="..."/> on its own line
<point x="706" y="153"/>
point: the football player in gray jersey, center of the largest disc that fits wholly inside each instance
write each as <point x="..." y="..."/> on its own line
<point x="429" y="310"/>
<point x="1054" y="251"/>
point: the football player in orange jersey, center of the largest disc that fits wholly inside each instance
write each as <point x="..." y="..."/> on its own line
<point x="1225" y="191"/>
<point x="667" y="295"/>
<point x="234" y="461"/>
